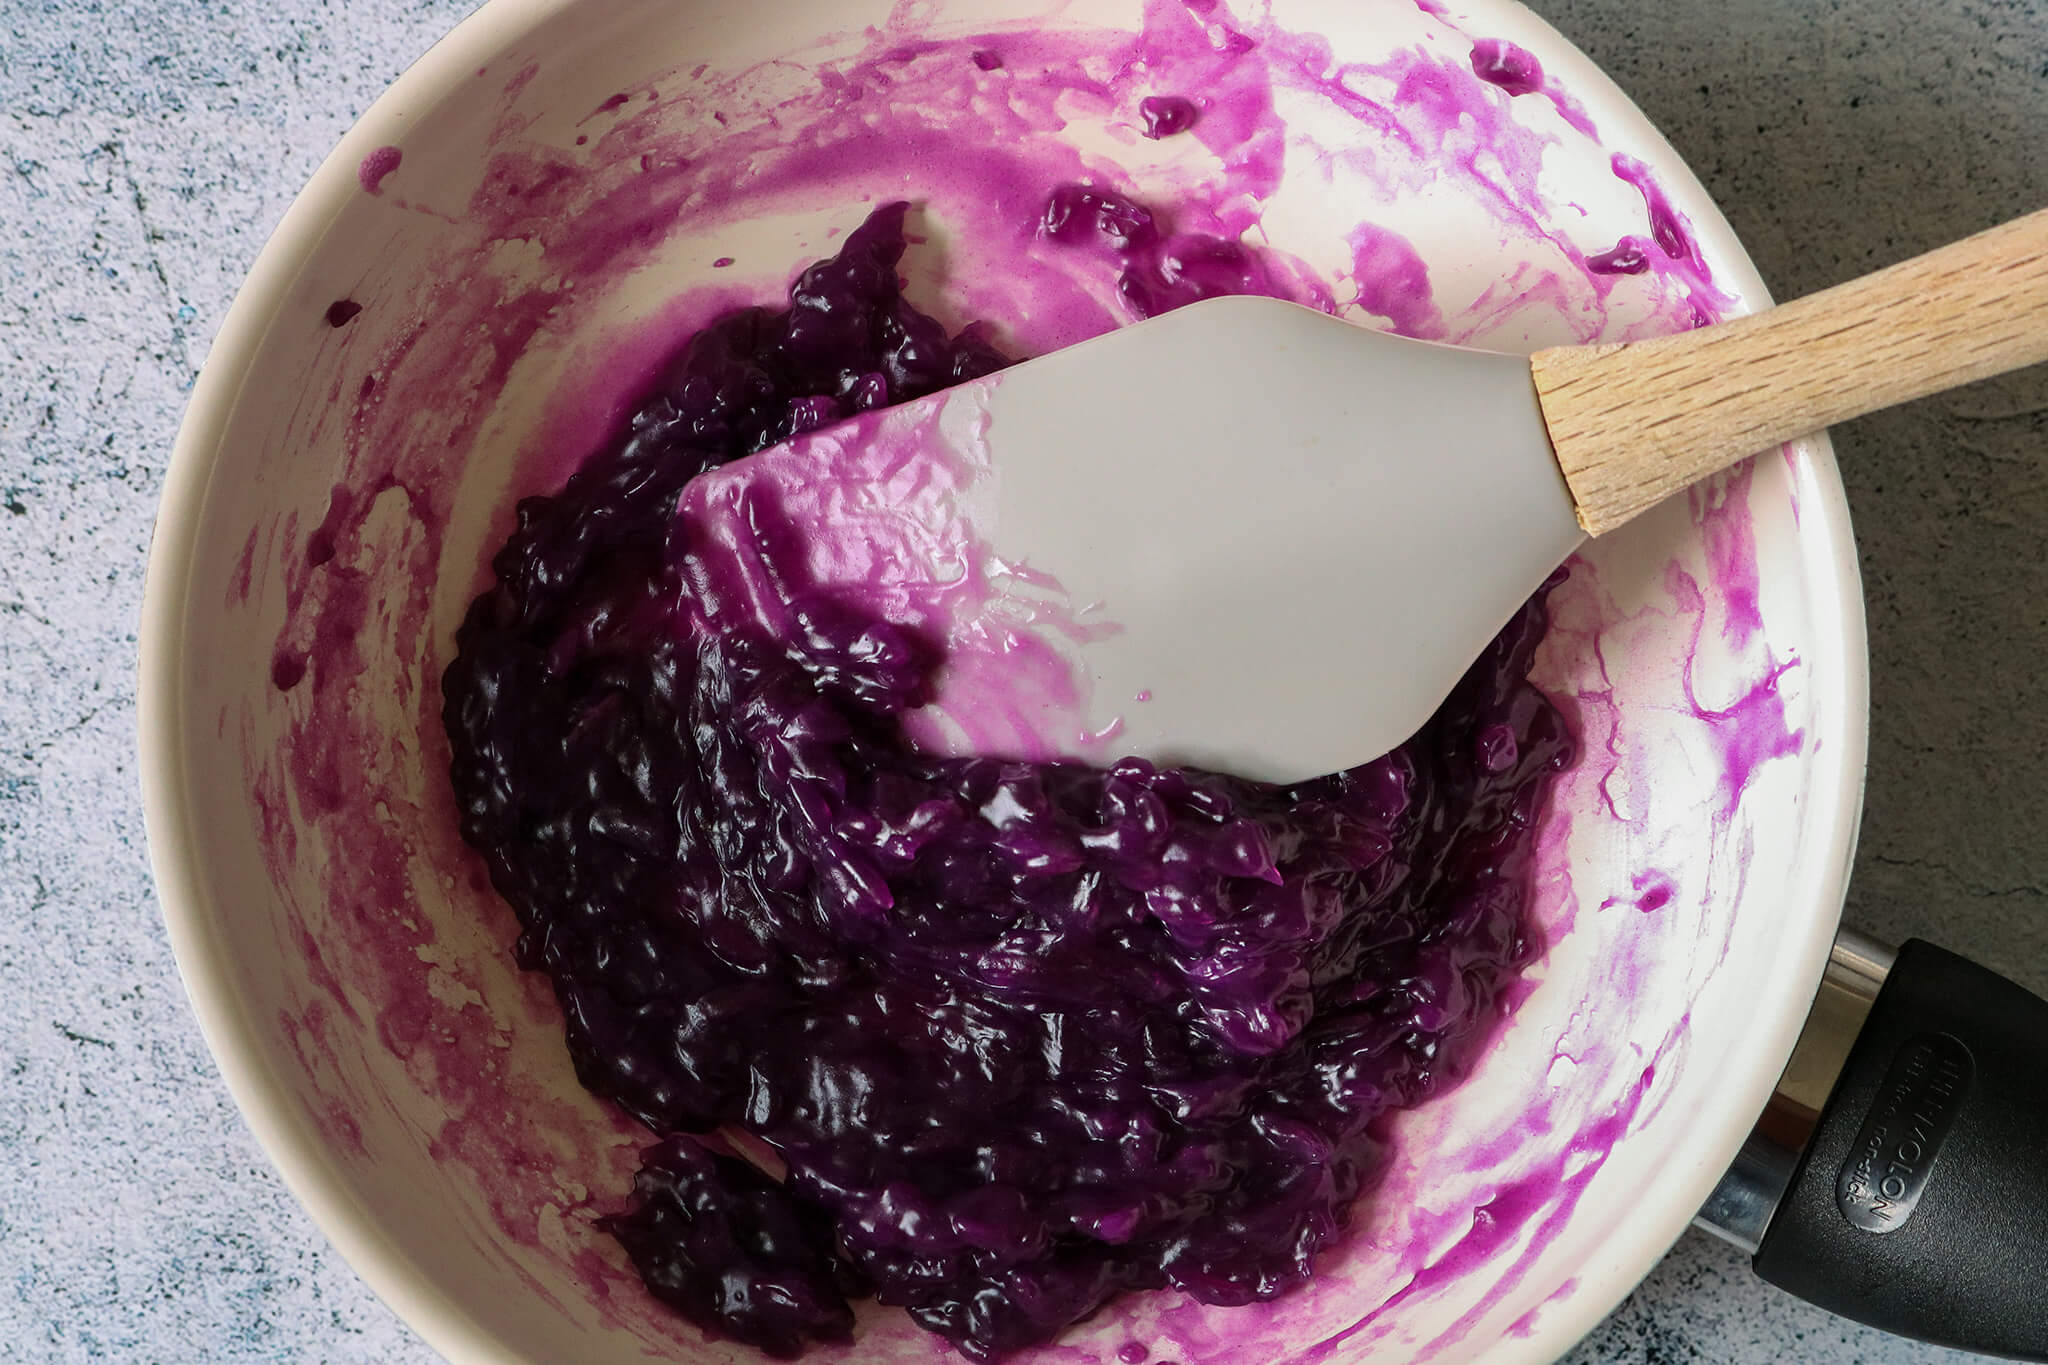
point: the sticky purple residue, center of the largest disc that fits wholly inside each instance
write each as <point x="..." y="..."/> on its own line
<point x="1651" y="890"/>
<point x="1629" y="256"/>
<point x="1088" y="215"/>
<point x="1393" y="283"/>
<point x="320" y="545"/>
<point x="378" y="164"/>
<point x="1752" y="730"/>
<point x="1667" y="226"/>
<point x="286" y="670"/>
<point x="1165" y="115"/>
<point x="1496" y="748"/>
<point x="986" y="60"/>
<point x="1160" y="269"/>
<point x="1513" y="69"/>
<point x="1731" y="554"/>
<point x="342" y="312"/>
<point x="1185" y="268"/>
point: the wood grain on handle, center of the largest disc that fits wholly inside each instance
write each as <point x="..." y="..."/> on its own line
<point x="1636" y="422"/>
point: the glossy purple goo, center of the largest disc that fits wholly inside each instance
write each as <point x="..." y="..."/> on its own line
<point x="377" y="165"/>
<point x="1165" y="115"/>
<point x="1514" y="69"/>
<point x="1629" y="256"/>
<point x="1157" y="271"/>
<point x="1024" y="1036"/>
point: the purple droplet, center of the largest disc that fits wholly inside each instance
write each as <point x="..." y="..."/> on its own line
<point x="1497" y="748"/>
<point x="1512" y="68"/>
<point x="870" y="391"/>
<point x="1654" y="890"/>
<point x="1665" y="228"/>
<point x="378" y="164"/>
<point x="1165" y="115"/>
<point x="721" y="263"/>
<point x="1207" y="266"/>
<point x="1665" y="225"/>
<point x="286" y="670"/>
<point x="987" y="60"/>
<point x="1080" y="213"/>
<point x="1629" y="256"/>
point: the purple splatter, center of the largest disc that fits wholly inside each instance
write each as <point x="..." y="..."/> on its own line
<point x="1666" y="226"/>
<point x="1629" y="256"/>
<point x="1512" y="68"/>
<point x="286" y="670"/>
<point x="1393" y="282"/>
<point x="378" y="164"/>
<point x="1165" y="115"/>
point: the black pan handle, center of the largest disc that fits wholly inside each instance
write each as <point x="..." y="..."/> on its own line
<point x="1919" y="1203"/>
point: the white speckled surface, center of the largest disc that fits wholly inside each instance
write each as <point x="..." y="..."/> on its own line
<point x="149" y="149"/>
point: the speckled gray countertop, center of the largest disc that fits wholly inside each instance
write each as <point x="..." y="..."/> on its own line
<point x="150" y="148"/>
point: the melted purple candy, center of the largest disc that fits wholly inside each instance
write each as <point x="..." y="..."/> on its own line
<point x="778" y="1282"/>
<point x="1165" y="115"/>
<point x="1629" y="256"/>
<point x="1025" y="1036"/>
<point x="1665" y="225"/>
<point x="1514" y="69"/>
<point x="1158" y="270"/>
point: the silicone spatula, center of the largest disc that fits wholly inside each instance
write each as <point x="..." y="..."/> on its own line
<point x="1306" y="530"/>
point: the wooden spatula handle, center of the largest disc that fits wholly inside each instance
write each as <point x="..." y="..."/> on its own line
<point x="1636" y="422"/>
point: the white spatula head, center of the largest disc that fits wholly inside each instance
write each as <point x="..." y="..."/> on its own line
<point x="1244" y="536"/>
